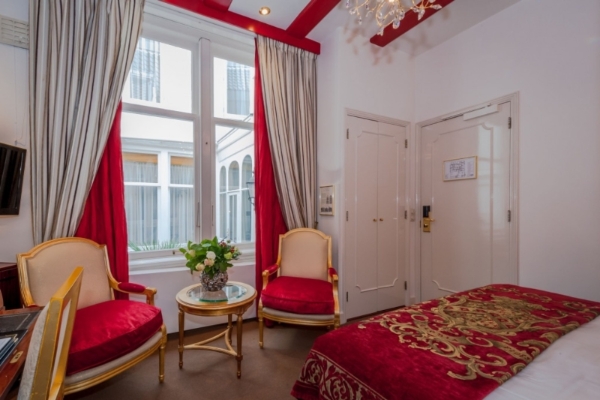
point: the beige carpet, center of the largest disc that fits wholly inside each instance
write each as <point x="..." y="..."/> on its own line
<point x="269" y="373"/>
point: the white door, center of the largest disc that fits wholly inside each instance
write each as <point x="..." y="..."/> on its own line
<point x="465" y="180"/>
<point x="375" y="228"/>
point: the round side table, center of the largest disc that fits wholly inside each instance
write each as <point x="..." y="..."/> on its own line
<point x="235" y="298"/>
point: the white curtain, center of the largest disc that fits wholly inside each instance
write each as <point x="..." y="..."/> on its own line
<point x="79" y="56"/>
<point x="289" y="83"/>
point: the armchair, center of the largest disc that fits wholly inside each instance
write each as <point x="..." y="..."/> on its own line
<point x="109" y="336"/>
<point x="45" y="367"/>
<point x="305" y="290"/>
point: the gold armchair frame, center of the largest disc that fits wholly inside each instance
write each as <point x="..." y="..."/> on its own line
<point x="300" y="319"/>
<point x="46" y="363"/>
<point x="73" y="383"/>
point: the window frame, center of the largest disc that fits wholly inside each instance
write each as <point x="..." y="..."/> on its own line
<point x="204" y="47"/>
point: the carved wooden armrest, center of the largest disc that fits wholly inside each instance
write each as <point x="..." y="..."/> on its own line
<point x="268" y="272"/>
<point x="332" y="275"/>
<point x="134" y="288"/>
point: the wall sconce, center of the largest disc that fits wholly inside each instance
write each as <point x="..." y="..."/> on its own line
<point x="251" y="189"/>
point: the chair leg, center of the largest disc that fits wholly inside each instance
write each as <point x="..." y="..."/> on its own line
<point x="260" y="330"/>
<point x="161" y="357"/>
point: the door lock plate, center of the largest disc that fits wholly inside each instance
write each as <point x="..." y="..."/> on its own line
<point x="426" y="224"/>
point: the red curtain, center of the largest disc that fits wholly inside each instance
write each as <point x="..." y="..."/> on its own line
<point x="103" y="219"/>
<point x="269" y="219"/>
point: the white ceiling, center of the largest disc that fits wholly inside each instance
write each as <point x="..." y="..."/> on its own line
<point x="453" y="19"/>
<point x="283" y="12"/>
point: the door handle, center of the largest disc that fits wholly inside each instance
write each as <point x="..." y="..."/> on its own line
<point x="427" y="218"/>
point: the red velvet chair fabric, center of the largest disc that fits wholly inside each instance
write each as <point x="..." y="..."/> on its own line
<point x="132" y="287"/>
<point x="109" y="330"/>
<point x="299" y="295"/>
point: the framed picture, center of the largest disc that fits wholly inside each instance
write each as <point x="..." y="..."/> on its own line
<point x="326" y="200"/>
<point x="460" y="168"/>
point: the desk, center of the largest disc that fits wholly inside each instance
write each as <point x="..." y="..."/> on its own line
<point x="11" y="370"/>
<point x="239" y="298"/>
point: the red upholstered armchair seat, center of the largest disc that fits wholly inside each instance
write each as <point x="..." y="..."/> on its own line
<point x="299" y="295"/>
<point x="109" y="330"/>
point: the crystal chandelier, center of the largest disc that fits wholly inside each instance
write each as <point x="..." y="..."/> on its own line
<point x="389" y="11"/>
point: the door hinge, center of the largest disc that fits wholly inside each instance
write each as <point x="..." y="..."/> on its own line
<point x="405" y="285"/>
<point x="346" y="297"/>
<point x="405" y="214"/>
<point x="347" y="133"/>
<point x="509" y="215"/>
<point x="346" y="216"/>
<point x="509" y="123"/>
<point x="406" y="143"/>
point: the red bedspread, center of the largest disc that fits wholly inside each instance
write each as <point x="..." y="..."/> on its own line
<point x="461" y="346"/>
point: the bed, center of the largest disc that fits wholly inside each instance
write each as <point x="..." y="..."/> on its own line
<point x="468" y="345"/>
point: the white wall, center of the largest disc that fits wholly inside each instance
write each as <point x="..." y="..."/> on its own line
<point x="15" y="231"/>
<point x="549" y="52"/>
<point x="354" y="74"/>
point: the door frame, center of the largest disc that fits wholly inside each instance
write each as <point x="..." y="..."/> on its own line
<point x="513" y="187"/>
<point x="348" y="112"/>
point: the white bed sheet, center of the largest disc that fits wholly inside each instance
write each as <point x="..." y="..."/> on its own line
<point x="568" y="369"/>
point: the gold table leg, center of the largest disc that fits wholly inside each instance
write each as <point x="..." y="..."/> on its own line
<point x="238" y="334"/>
<point x="229" y="317"/>
<point x="181" y="319"/>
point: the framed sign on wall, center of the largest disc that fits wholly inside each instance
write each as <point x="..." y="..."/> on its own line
<point x="460" y="168"/>
<point x="326" y="200"/>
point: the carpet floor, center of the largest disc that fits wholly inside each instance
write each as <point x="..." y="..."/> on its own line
<point x="267" y="373"/>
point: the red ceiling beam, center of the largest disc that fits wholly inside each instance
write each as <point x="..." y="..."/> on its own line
<point x="250" y="24"/>
<point x="221" y="5"/>
<point x="410" y="21"/>
<point x="310" y="17"/>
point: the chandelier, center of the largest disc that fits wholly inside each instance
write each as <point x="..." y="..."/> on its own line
<point x="389" y="11"/>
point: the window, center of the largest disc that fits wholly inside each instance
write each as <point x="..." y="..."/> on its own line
<point x="141" y="193"/>
<point x="238" y="88"/>
<point x="234" y="135"/>
<point x="145" y="71"/>
<point x="169" y="199"/>
<point x="159" y="181"/>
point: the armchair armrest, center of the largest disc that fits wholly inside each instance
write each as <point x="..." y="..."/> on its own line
<point x="268" y="272"/>
<point x="134" y="288"/>
<point x="332" y="275"/>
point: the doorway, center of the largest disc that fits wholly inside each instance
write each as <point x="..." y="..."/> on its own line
<point x="467" y="192"/>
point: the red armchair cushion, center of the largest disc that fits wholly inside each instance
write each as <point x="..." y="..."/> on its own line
<point x="299" y="295"/>
<point x="106" y="331"/>
<point x="132" y="287"/>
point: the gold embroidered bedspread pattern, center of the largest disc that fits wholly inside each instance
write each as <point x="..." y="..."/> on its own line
<point x="463" y="345"/>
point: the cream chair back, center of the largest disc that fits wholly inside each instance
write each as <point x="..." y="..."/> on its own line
<point x="305" y="253"/>
<point x="48" y="265"/>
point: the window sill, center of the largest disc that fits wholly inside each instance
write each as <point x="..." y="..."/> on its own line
<point x="173" y="263"/>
